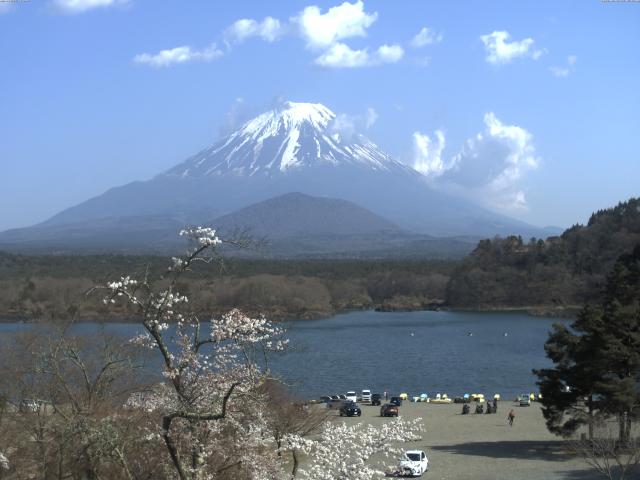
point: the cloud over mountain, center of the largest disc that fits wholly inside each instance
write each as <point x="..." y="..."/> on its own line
<point x="488" y="169"/>
<point x="427" y="153"/>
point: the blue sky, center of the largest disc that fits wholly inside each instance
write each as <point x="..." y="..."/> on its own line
<point x="529" y="108"/>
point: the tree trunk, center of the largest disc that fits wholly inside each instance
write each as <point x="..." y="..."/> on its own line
<point x="624" y="428"/>
<point x="296" y="462"/>
<point x="590" y="403"/>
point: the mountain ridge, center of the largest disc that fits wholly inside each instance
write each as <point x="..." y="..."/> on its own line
<point x="296" y="147"/>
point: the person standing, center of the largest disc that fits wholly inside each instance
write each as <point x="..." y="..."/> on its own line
<point x="511" y="417"/>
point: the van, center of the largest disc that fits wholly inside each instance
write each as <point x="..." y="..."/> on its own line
<point x="366" y="396"/>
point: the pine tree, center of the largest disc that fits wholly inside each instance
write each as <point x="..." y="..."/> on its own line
<point x="597" y="359"/>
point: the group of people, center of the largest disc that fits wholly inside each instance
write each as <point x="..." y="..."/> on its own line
<point x="492" y="407"/>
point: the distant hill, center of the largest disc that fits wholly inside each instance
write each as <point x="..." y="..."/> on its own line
<point x="296" y="225"/>
<point x="299" y="215"/>
<point x="293" y="225"/>
<point x="566" y="270"/>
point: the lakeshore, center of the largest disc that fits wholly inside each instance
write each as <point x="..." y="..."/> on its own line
<point x="485" y="447"/>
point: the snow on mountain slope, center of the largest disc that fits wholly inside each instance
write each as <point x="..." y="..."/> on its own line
<point x="283" y="140"/>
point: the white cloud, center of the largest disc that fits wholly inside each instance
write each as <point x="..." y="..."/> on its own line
<point x="340" y="55"/>
<point x="426" y="36"/>
<point x="5" y="8"/>
<point x="559" y="71"/>
<point x="489" y="168"/>
<point x="427" y="154"/>
<point x="322" y="30"/>
<point x="345" y="126"/>
<point x="270" y="29"/>
<point x="173" y="56"/>
<point x="491" y="165"/>
<point x="500" y="50"/>
<point x="81" y="6"/>
<point x="388" y="54"/>
<point x="564" y="71"/>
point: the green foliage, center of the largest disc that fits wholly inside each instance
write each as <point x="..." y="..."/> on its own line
<point x="598" y="358"/>
<point x="559" y="271"/>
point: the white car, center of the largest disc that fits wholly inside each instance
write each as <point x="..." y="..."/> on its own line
<point x="352" y="397"/>
<point x="366" y="396"/>
<point x="414" y="463"/>
<point x="524" y="400"/>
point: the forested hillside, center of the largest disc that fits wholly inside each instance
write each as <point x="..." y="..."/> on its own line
<point x="52" y="287"/>
<point x="540" y="275"/>
<point x="556" y="272"/>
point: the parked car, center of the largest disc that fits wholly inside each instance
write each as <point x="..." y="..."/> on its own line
<point x="325" y="399"/>
<point x="414" y="463"/>
<point x="351" y="396"/>
<point x="336" y="404"/>
<point x="376" y="399"/>
<point x="524" y="400"/>
<point x="396" y="401"/>
<point x="366" y="396"/>
<point x="389" y="410"/>
<point x="350" y="409"/>
<point x="342" y="396"/>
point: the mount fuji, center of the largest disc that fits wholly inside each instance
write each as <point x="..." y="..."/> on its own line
<point x="295" y="147"/>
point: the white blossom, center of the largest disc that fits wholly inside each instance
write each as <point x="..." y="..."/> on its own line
<point x="204" y="236"/>
<point x="4" y="462"/>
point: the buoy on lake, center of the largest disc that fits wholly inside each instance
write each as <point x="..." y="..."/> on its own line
<point x="412" y="334"/>
<point x="470" y="334"/>
<point x="506" y="334"/>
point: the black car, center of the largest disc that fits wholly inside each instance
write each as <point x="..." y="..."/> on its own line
<point x="389" y="410"/>
<point x="396" y="401"/>
<point x="376" y="399"/>
<point x="350" y="409"/>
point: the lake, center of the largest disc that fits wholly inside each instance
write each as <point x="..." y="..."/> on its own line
<point x="414" y="352"/>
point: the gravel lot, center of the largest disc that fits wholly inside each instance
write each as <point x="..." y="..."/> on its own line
<point x="484" y="447"/>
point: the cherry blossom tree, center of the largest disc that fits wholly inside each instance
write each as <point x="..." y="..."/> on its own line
<point x="212" y="371"/>
<point x="343" y="452"/>
<point x="211" y="413"/>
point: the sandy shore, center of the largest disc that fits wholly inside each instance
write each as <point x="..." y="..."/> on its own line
<point x="484" y="447"/>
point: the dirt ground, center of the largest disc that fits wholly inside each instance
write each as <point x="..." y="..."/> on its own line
<point x="485" y="447"/>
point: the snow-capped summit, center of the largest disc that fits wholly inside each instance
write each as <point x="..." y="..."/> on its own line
<point x="287" y="138"/>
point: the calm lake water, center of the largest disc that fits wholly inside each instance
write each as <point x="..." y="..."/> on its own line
<point x="413" y="352"/>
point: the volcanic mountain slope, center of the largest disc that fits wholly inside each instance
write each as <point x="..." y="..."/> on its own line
<point x="292" y="148"/>
<point x="300" y="215"/>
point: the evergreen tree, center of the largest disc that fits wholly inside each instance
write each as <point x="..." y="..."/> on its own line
<point x="597" y="359"/>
